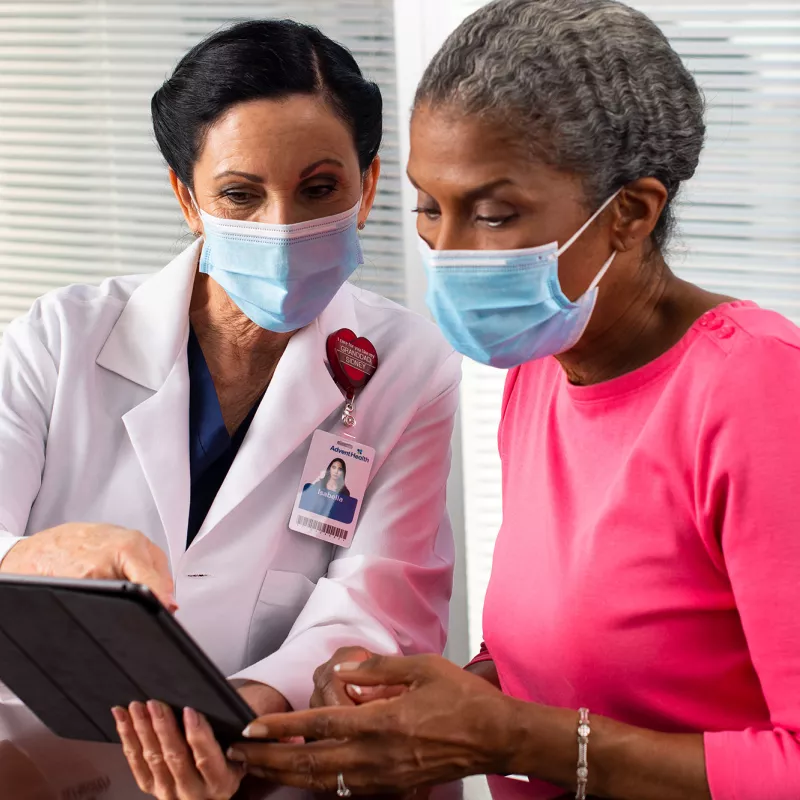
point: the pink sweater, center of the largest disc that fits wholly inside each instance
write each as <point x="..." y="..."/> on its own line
<point x="648" y="565"/>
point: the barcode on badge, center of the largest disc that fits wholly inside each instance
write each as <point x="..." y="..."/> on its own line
<point x="322" y="527"/>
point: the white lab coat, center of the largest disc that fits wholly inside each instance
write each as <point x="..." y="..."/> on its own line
<point x="94" y="405"/>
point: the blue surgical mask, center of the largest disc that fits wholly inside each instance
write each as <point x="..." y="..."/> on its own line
<point x="281" y="276"/>
<point x="506" y="307"/>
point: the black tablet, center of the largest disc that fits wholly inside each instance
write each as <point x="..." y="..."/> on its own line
<point x="73" y="649"/>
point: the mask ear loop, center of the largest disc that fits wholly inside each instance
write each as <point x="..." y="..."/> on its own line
<point x="603" y="270"/>
<point x="564" y="247"/>
<point x="570" y="242"/>
<point x="196" y="207"/>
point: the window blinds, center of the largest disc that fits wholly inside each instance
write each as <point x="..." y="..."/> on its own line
<point x="739" y="218"/>
<point x="740" y="215"/>
<point x="83" y="190"/>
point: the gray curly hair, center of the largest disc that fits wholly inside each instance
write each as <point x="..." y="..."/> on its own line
<point x="593" y="85"/>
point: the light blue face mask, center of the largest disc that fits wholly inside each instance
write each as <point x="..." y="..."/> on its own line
<point x="281" y="276"/>
<point x="506" y="307"/>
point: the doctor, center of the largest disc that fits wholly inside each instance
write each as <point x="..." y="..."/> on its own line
<point x="156" y="428"/>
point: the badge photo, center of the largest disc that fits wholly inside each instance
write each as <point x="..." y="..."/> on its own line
<point x="334" y="480"/>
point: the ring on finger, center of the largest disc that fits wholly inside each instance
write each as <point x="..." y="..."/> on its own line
<point x="341" y="787"/>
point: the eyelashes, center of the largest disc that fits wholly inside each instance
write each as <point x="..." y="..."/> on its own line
<point x="434" y="214"/>
<point x="430" y="213"/>
<point x="243" y="197"/>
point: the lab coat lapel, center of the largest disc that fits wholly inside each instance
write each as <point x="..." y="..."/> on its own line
<point x="159" y="431"/>
<point x="148" y="346"/>
<point x="301" y="396"/>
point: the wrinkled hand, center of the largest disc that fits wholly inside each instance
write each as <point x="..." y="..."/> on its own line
<point x="78" y="550"/>
<point x="448" y="725"/>
<point x="173" y="767"/>
<point x="169" y="766"/>
<point x="331" y="690"/>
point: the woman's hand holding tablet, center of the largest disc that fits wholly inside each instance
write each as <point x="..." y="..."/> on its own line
<point x="84" y="550"/>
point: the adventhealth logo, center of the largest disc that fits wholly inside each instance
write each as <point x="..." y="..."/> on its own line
<point x="358" y="456"/>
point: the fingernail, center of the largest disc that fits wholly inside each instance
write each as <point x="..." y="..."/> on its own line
<point x="255" y="730"/>
<point x="138" y="712"/>
<point x="156" y="709"/>
<point x="351" y="687"/>
<point x="119" y="714"/>
<point x="190" y="718"/>
<point x="347" y="666"/>
<point x="235" y="755"/>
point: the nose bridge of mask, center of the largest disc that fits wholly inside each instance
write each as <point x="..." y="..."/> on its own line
<point x="280" y="230"/>
<point x="483" y="258"/>
<point x="279" y="234"/>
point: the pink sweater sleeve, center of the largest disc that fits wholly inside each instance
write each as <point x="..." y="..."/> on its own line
<point x="484" y="655"/>
<point x="748" y="496"/>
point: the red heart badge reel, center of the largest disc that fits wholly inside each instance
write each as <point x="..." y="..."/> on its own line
<point x="353" y="361"/>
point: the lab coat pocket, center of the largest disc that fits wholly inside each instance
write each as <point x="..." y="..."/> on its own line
<point x="283" y="596"/>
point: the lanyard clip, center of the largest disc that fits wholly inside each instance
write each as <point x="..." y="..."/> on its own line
<point x="348" y="414"/>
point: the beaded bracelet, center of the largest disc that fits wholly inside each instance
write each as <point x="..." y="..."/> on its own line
<point x="584" y="729"/>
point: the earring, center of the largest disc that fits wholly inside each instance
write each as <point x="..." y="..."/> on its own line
<point x="362" y="225"/>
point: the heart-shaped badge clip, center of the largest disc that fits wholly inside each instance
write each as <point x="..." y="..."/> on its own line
<point x="353" y="361"/>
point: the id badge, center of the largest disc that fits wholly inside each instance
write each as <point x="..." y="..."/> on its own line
<point x="332" y="488"/>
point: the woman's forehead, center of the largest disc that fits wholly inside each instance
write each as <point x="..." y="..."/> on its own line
<point x="464" y="153"/>
<point x="290" y="133"/>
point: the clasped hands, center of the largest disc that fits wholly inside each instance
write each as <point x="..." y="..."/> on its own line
<point x="386" y="723"/>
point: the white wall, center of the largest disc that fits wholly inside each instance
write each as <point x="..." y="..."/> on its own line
<point x="474" y="494"/>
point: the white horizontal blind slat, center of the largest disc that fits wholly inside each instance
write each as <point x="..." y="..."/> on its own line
<point x="83" y="190"/>
<point x="739" y="218"/>
<point x="740" y="215"/>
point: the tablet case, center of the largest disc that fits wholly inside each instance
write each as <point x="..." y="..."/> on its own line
<point x="73" y="649"/>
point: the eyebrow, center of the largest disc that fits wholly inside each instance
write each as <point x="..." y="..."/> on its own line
<point x="311" y="167"/>
<point x="246" y="175"/>
<point x="258" y="179"/>
<point x="478" y="191"/>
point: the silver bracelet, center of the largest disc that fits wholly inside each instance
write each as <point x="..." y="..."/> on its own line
<point x="584" y="729"/>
